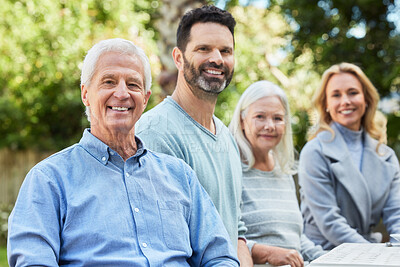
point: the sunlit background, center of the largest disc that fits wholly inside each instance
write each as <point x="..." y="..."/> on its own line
<point x="289" y="42"/>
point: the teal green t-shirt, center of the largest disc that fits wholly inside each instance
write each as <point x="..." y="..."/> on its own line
<point x="167" y="128"/>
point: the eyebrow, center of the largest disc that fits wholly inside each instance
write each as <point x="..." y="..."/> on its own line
<point x="274" y="114"/>
<point x="230" y="48"/>
<point x="347" y="89"/>
<point x="108" y="75"/>
<point x="133" y="78"/>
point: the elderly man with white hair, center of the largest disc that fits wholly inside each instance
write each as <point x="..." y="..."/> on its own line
<point x="107" y="200"/>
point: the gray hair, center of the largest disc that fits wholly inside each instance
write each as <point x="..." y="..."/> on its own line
<point x="284" y="151"/>
<point x="113" y="45"/>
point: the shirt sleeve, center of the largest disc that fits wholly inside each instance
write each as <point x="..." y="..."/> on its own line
<point x="309" y="250"/>
<point x="210" y="241"/>
<point x="34" y="224"/>
<point x="320" y="198"/>
<point x="391" y="210"/>
<point x="242" y="229"/>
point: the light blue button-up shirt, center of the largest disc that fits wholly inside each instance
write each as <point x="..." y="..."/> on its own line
<point x="85" y="206"/>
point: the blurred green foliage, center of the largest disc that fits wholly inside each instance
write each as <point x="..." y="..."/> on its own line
<point x="5" y="210"/>
<point x="290" y="43"/>
<point x="42" y="46"/>
<point x="362" y="32"/>
<point x="351" y="31"/>
<point x="3" y="257"/>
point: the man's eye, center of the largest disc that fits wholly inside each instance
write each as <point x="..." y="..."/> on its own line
<point x="135" y="87"/>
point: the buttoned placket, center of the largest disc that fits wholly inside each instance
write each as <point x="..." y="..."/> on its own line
<point x="136" y="203"/>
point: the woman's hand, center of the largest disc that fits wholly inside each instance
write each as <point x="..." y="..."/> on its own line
<point x="276" y="256"/>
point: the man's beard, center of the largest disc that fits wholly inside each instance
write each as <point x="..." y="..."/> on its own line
<point x="195" y="78"/>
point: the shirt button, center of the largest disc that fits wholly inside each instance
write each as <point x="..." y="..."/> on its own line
<point x="103" y="158"/>
<point x="136" y="210"/>
<point x="144" y="245"/>
<point x="127" y="175"/>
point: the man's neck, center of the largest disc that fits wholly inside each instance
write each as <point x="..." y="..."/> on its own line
<point x="201" y="109"/>
<point x="124" y="144"/>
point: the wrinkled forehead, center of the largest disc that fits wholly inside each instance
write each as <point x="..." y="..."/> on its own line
<point x="117" y="63"/>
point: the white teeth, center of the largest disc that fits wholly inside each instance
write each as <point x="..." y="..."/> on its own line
<point x="119" y="108"/>
<point x="214" y="72"/>
<point x="346" y="112"/>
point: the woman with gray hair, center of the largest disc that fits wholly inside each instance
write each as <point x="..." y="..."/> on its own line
<point x="262" y="129"/>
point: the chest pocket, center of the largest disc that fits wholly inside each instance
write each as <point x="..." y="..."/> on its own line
<point x="174" y="225"/>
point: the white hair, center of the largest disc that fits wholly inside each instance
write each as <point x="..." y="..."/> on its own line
<point x="113" y="45"/>
<point x="284" y="151"/>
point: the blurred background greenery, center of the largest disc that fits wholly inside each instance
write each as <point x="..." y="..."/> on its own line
<point x="289" y="42"/>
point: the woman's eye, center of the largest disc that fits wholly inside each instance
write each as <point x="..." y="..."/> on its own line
<point x="353" y="93"/>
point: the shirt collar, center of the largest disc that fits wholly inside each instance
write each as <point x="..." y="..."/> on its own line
<point x="101" y="151"/>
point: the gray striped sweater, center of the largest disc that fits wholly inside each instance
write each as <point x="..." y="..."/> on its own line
<point x="271" y="213"/>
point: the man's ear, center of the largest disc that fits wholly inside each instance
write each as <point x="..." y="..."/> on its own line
<point x="84" y="96"/>
<point x="177" y="55"/>
<point x="146" y="99"/>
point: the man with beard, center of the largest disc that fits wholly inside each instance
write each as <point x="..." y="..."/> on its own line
<point x="184" y="125"/>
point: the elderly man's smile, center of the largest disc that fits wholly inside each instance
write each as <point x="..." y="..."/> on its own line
<point x="119" y="108"/>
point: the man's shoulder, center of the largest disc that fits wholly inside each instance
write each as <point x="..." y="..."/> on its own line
<point x="62" y="159"/>
<point x="167" y="109"/>
<point x="171" y="163"/>
<point x="166" y="121"/>
<point x="162" y="158"/>
<point x="61" y="155"/>
<point x="55" y="167"/>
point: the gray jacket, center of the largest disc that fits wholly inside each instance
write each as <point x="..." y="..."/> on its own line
<point x="339" y="202"/>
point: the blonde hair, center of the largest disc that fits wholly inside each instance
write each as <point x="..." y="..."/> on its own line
<point x="371" y="97"/>
<point x="284" y="151"/>
<point x="381" y="122"/>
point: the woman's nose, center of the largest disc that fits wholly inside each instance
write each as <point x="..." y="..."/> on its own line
<point x="269" y="124"/>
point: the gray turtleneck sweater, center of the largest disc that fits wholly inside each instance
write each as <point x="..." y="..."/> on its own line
<point x="354" y="142"/>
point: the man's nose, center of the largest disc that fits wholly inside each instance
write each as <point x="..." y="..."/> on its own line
<point x="216" y="57"/>
<point x="121" y="91"/>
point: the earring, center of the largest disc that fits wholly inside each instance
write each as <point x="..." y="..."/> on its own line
<point x="327" y="110"/>
<point x="144" y="101"/>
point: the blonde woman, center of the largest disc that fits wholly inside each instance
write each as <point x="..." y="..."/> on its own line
<point x="262" y="130"/>
<point x="349" y="178"/>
